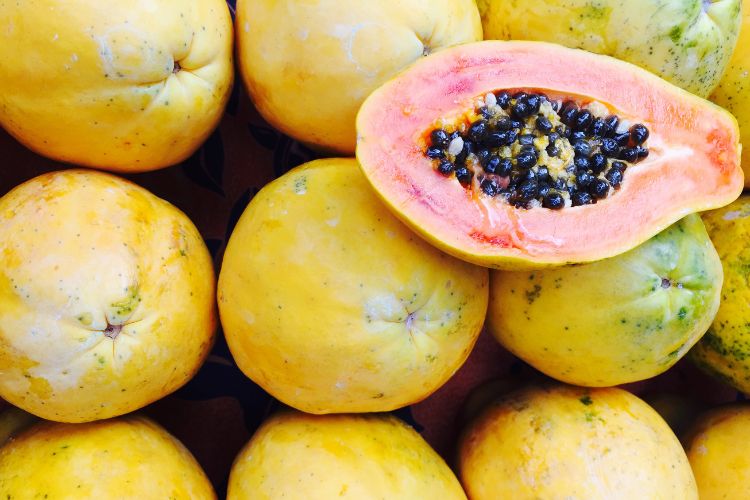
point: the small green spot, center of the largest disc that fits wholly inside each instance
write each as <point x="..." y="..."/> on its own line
<point x="102" y="360"/>
<point x="430" y="358"/>
<point x="532" y="295"/>
<point x="183" y="252"/>
<point x="300" y="185"/>
<point x="675" y="34"/>
<point x="586" y="400"/>
<point x="682" y="313"/>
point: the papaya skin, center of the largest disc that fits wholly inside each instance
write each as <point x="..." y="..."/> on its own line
<point x="613" y="321"/>
<point x="317" y="457"/>
<point x="107" y="293"/>
<point x="568" y="442"/>
<point x="127" y="457"/>
<point x="734" y="87"/>
<point x="309" y="65"/>
<point x="718" y="457"/>
<point x="332" y="305"/>
<point x="693" y="164"/>
<point x="12" y="421"/>
<point x="725" y="349"/>
<point x="687" y="42"/>
<point x="123" y="85"/>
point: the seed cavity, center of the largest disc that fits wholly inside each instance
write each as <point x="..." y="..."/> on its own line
<point x="533" y="151"/>
<point x="176" y="67"/>
<point x="112" y="331"/>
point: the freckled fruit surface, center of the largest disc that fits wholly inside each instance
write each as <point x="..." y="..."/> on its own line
<point x="570" y="442"/>
<point x="309" y="65"/>
<point x="687" y="42"/>
<point x="122" y="458"/>
<point x="317" y="457"/>
<point x="614" y="321"/>
<point x="734" y="88"/>
<point x="123" y="85"/>
<point x="715" y="446"/>
<point x="332" y="305"/>
<point x="725" y="349"/>
<point x="107" y="297"/>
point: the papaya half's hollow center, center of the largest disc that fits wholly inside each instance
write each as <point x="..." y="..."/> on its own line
<point x="533" y="151"/>
<point x="176" y="68"/>
<point x="112" y="331"/>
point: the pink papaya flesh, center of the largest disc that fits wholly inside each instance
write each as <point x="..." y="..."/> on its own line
<point x="692" y="163"/>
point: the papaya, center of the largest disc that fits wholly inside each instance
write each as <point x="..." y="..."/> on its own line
<point x="122" y="85"/>
<point x="614" y="321"/>
<point x="308" y="66"/>
<point x="724" y="351"/>
<point x="530" y="154"/>
<point x="556" y="441"/>
<point x="332" y="305"/>
<point x="718" y="457"/>
<point x="126" y="457"/>
<point x="298" y="456"/>
<point x="734" y="87"/>
<point x="12" y="421"/>
<point x="687" y="42"/>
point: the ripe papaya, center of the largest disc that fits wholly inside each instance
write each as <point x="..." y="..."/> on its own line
<point x="734" y="87"/>
<point x="530" y="154"/>
<point x="687" y="42"/>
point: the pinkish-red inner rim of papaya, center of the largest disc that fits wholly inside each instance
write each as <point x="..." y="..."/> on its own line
<point x="531" y="150"/>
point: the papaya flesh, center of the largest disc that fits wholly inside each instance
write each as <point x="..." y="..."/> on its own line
<point x="693" y="161"/>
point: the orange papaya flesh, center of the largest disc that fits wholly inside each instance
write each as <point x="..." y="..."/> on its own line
<point x="693" y="161"/>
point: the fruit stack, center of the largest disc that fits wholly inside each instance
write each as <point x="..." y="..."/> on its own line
<point x="548" y="189"/>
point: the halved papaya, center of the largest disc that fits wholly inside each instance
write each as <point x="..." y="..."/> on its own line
<point x="529" y="154"/>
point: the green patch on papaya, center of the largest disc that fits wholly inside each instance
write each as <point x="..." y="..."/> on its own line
<point x="675" y="33"/>
<point x="586" y="400"/>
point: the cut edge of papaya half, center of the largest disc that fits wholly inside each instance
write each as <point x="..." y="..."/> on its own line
<point x="693" y="165"/>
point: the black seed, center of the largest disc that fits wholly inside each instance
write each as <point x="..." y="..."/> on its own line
<point x="599" y="128"/>
<point x="584" y="178"/>
<point x="496" y="139"/>
<point x="577" y="136"/>
<point x="583" y="120"/>
<point x="490" y="187"/>
<point x="628" y="154"/>
<point x="528" y="190"/>
<point x="520" y="110"/>
<point x="505" y="167"/>
<point x="580" y="198"/>
<point x="529" y="147"/>
<point x="478" y="130"/>
<point x="435" y="152"/>
<point x="492" y="164"/>
<point x="485" y="112"/>
<point x="612" y="122"/>
<point x="504" y="124"/>
<point x="582" y="163"/>
<point x="556" y="105"/>
<point x="512" y="136"/>
<point x="599" y="189"/>
<point x="609" y="147"/>
<point x="569" y="113"/>
<point x="439" y="138"/>
<point x="598" y="163"/>
<point x="614" y="176"/>
<point x="516" y="124"/>
<point x="544" y="189"/>
<point x="463" y="175"/>
<point x="638" y="134"/>
<point x="503" y="99"/>
<point x="543" y="124"/>
<point x="553" y="150"/>
<point x="454" y="135"/>
<point x="464" y="153"/>
<point x="445" y="167"/>
<point x="563" y="131"/>
<point x="642" y="152"/>
<point x="534" y="102"/>
<point x="526" y="159"/>
<point x="560" y="184"/>
<point x="519" y="95"/>
<point x="582" y="148"/>
<point x="553" y="200"/>
<point x="542" y="174"/>
<point x="618" y="165"/>
<point x="552" y="137"/>
<point x="526" y="139"/>
<point x="483" y="156"/>
<point x="622" y="139"/>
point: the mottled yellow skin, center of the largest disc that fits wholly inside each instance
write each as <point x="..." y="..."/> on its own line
<point x="687" y="42"/>
<point x="332" y="305"/>
<point x="309" y="64"/>
<point x="716" y="446"/>
<point x="616" y="320"/>
<point x="563" y="442"/>
<point x="124" y="458"/>
<point x="81" y="250"/>
<point x="733" y="91"/>
<point x="364" y="457"/>
<point x="12" y="421"/>
<point x="124" y="85"/>
<point x="725" y="349"/>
